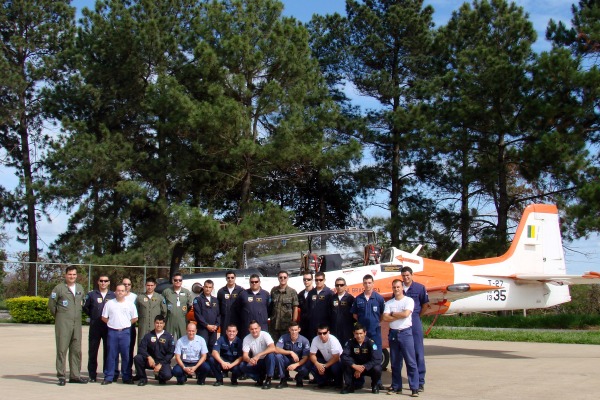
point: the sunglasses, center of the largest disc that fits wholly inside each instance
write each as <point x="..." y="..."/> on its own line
<point x="307" y="280"/>
<point x="231" y="277"/>
<point x="319" y="280"/>
<point x="339" y="285"/>
<point x="283" y="277"/>
<point x="127" y="284"/>
<point x="322" y="333"/>
<point x="103" y="280"/>
<point x="254" y="281"/>
<point x="177" y="280"/>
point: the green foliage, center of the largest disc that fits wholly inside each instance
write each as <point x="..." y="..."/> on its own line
<point x="547" y="321"/>
<point x="30" y="310"/>
<point x="591" y="337"/>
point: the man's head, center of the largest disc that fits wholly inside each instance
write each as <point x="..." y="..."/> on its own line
<point x="177" y="281"/>
<point x="254" y="282"/>
<point x="254" y="328"/>
<point x="127" y="283"/>
<point x="323" y="332"/>
<point x="368" y="283"/>
<point x="320" y="280"/>
<point x="282" y="276"/>
<point x="150" y="285"/>
<point x="340" y="286"/>
<point x="397" y="288"/>
<point x="307" y="279"/>
<point x="294" y="330"/>
<point x="359" y="333"/>
<point x="159" y="323"/>
<point x="208" y="287"/>
<point x="230" y="278"/>
<point x="191" y="330"/>
<point x="407" y="275"/>
<point x="71" y="274"/>
<point x="120" y="291"/>
<point x="103" y="282"/>
<point x="231" y="332"/>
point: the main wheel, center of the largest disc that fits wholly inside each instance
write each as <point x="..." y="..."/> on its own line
<point x="386" y="359"/>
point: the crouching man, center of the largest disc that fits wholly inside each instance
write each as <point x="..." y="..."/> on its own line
<point x="259" y="355"/>
<point x="292" y="351"/>
<point x="191" y="352"/>
<point x="155" y="352"/>
<point x="361" y="357"/>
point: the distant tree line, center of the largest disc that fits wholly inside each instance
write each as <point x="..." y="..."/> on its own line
<point x="172" y="131"/>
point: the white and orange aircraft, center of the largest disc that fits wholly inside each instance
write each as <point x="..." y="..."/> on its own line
<point x="531" y="274"/>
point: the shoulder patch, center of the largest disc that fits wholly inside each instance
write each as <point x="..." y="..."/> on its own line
<point x="374" y="346"/>
<point x="53" y="295"/>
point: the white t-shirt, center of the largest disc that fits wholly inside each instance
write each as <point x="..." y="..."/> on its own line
<point x="119" y="314"/>
<point x="398" y="306"/>
<point x="132" y="297"/>
<point x="257" y="345"/>
<point x="327" y="349"/>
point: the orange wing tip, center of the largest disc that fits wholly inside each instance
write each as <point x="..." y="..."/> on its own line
<point x="591" y="275"/>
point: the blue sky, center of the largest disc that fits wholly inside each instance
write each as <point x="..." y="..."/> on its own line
<point x="540" y="12"/>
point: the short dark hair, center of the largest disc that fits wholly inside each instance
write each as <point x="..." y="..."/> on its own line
<point x="230" y="272"/>
<point x="406" y="269"/>
<point x="255" y="276"/>
<point x="320" y="274"/>
<point x="293" y="323"/>
<point x="232" y="325"/>
<point x="323" y="326"/>
<point x="210" y="282"/>
<point x="151" y="279"/>
<point x="358" y="327"/>
<point x="283" y="271"/>
<point x="253" y="322"/>
<point x="70" y="268"/>
<point x="368" y="276"/>
<point x="159" y="317"/>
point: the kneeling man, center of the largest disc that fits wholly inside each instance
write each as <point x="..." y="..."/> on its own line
<point x="191" y="352"/>
<point x="155" y="352"/>
<point x="361" y="357"/>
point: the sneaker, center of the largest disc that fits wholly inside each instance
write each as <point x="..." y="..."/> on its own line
<point x="415" y="393"/>
<point x="392" y="391"/>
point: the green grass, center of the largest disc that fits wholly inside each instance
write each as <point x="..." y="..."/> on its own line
<point x="540" y="336"/>
<point x="548" y="321"/>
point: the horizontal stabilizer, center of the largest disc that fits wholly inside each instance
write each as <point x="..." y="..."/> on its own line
<point x="589" y="278"/>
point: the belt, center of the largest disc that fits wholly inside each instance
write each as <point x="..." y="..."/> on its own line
<point x="400" y="330"/>
<point x="120" y="330"/>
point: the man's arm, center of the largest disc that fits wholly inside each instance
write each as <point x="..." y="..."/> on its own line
<point x="270" y="349"/>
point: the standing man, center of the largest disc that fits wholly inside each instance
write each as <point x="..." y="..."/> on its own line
<point x="368" y="309"/>
<point x="93" y="306"/>
<point x="292" y="351"/>
<point x="307" y="279"/>
<point x="131" y="297"/>
<point x="149" y="305"/>
<point x="318" y="305"/>
<point x="284" y="306"/>
<point x="227" y="297"/>
<point x="398" y="312"/>
<point x="119" y="314"/>
<point x="178" y="301"/>
<point x="258" y="351"/>
<point x="227" y="356"/>
<point x="418" y="293"/>
<point x="190" y="357"/>
<point x="361" y="357"/>
<point x="325" y="353"/>
<point x="207" y="314"/>
<point x="342" y="321"/>
<point x="253" y="305"/>
<point x="65" y="305"/>
<point x="155" y="351"/>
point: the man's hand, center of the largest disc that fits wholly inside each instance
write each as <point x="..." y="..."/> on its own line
<point x="321" y="369"/>
<point x="151" y="362"/>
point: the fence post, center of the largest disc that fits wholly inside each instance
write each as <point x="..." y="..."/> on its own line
<point x="36" y="279"/>
<point x="90" y="278"/>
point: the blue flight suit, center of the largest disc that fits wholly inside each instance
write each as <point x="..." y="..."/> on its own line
<point x="229" y="352"/>
<point x="227" y="307"/>
<point x="369" y="314"/>
<point x="402" y="348"/>
<point x="302" y="349"/>
<point x="252" y="306"/>
<point x="342" y="320"/>
<point x="319" y="310"/>
<point x="304" y="314"/>
<point x="207" y="313"/>
<point x="418" y="293"/>
<point x="93" y="306"/>
<point x="161" y="349"/>
<point x="367" y="354"/>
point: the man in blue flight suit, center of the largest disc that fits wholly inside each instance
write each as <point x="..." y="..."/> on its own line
<point x="307" y="279"/>
<point x="342" y="321"/>
<point x="418" y="293"/>
<point x="227" y="296"/>
<point x="156" y="350"/>
<point x="361" y="357"/>
<point x="368" y="309"/>
<point x="227" y="356"/>
<point x="318" y="304"/>
<point x="93" y="306"/>
<point x="253" y="305"/>
<point x="292" y="352"/>
<point x="207" y="314"/>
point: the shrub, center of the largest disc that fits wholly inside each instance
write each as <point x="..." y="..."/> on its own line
<point x="30" y="310"/>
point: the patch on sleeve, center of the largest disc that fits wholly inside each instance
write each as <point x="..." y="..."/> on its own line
<point x="53" y="295"/>
<point x="374" y="347"/>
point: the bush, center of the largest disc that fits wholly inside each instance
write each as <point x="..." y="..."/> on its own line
<point x="30" y="310"/>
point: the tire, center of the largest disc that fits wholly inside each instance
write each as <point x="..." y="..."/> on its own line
<point x="386" y="359"/>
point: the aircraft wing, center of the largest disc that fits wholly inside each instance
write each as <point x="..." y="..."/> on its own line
<point x="589" y="278"/>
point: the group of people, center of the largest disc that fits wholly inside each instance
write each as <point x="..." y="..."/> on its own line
<point x="328" y="333"/>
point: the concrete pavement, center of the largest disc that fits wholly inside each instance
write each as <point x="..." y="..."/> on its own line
<point x="455" y="370"/>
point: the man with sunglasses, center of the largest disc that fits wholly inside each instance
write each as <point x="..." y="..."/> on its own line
<point x="283" y="307"/>
<point x="325" y="353"/>
<point x="178" y="300"/>
<point x="318" y="305"/>
<point x="253" y="304"/>
<point x="93" y="306"/>
<point x="307" y="279"/>
<point x="342" y="321"/>
<point x="227" y="296"/>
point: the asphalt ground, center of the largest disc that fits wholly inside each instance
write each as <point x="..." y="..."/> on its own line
<point x="456" y="369"/>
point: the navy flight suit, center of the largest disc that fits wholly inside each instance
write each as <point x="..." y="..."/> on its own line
<point x="93" y="306"/>
<point x="207" y="313"/>
<point x="252" y="306"/>
<point x="161" y="350"/>
<point x="319" y="309"/>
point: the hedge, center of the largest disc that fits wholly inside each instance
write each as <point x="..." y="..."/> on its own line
<point x="29" y="310"/>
